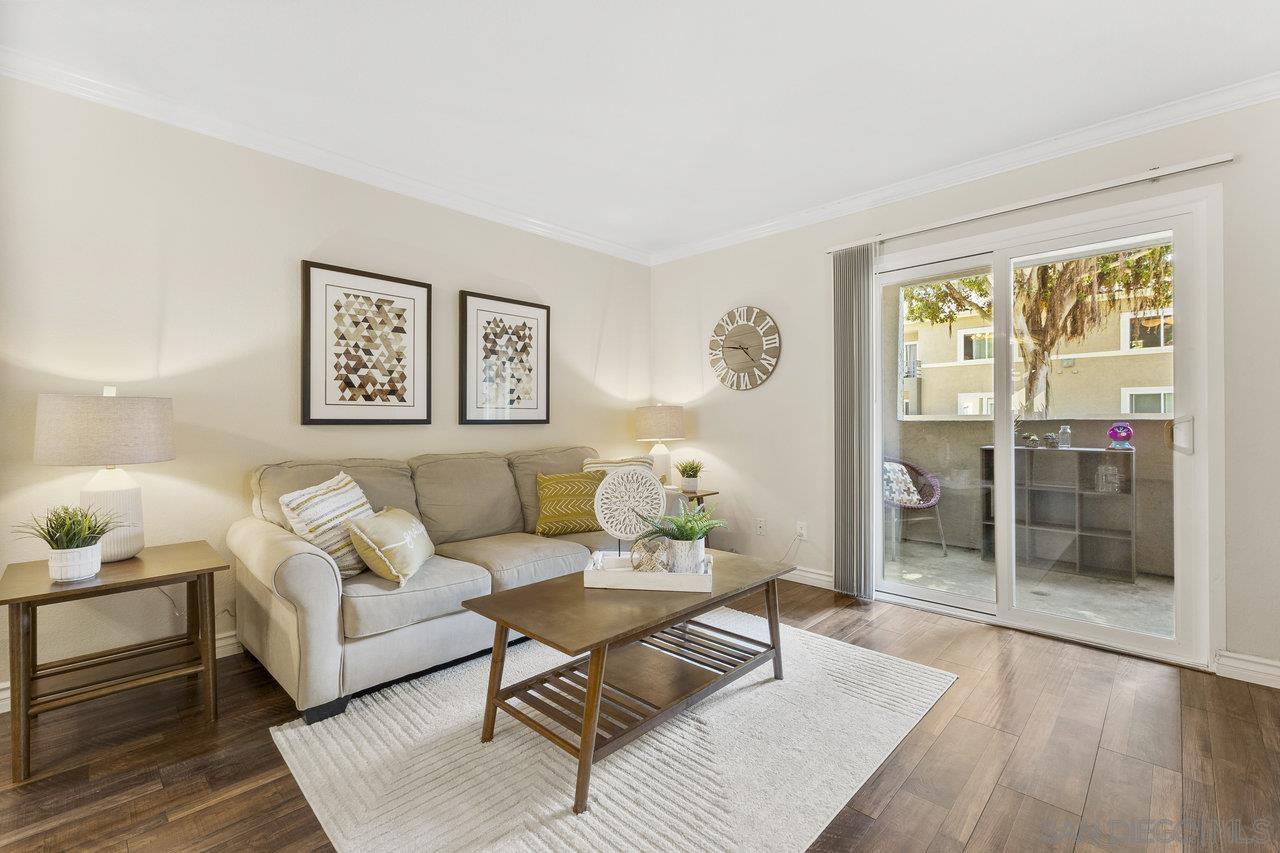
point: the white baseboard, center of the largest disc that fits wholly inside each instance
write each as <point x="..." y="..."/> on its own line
<point x="225" y="643"/>
<point x="811" y="577"/>
<point x="1251" y="668"/>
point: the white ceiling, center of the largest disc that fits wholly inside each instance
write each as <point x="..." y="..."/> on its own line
<point x="648" y="128"/>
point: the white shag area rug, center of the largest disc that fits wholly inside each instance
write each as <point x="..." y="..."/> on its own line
<point x="761" y="765"/>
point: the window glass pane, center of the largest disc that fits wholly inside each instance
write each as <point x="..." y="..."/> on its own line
<point x="978" y="345"/>
<point x="1145" y="404"/>
<point x="1144" y="332"/>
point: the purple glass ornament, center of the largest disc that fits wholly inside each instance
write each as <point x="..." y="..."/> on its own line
<point x="1120" y="433"/>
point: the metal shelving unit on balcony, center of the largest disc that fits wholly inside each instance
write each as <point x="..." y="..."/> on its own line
<point x="1064" y="507"/>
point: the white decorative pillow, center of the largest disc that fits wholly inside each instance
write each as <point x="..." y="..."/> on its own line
<point x="607" y="465"/>
<point x="899" y="488"/>
<point x="320" y="514"/>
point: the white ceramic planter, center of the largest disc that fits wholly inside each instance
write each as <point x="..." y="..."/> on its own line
<point x="686" y="557"/>
<point x="689" y="484"/>
<point x="75" y="564"/>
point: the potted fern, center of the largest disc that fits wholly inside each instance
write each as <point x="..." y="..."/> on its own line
<point x="686" y="535"/>
<point x="689" y="471"/>
<point x="74" y="536"/>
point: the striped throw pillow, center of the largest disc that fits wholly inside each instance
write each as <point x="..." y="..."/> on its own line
<point x="567" y="503"/>
<point x="607" y="465"/>
<point x="320" y="514"/>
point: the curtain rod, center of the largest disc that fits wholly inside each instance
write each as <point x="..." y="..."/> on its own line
<point x="1152" y="174"/>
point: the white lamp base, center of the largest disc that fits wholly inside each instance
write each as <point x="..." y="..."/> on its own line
<point x="661" y="462"/>
<point x="113" y="492"/>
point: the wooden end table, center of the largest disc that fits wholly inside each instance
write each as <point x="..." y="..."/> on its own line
<point x="35" y="688"/>
<point x="649" y="656"/>
<point x="699" y="496"/>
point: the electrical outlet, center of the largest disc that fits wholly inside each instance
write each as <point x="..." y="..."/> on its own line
<point x="759" y="526"/>
<point x="802" y="530"/>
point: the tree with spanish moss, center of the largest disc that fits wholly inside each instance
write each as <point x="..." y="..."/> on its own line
<point x="1053" y="303"/>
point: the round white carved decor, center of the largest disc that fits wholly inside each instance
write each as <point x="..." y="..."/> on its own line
<point x="624" y="493"/>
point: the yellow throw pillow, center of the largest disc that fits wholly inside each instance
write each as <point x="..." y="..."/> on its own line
<point x="392" y="543"/>
<point x="567" y="503"/>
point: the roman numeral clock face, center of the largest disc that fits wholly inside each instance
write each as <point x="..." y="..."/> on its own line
<point x="744" y="348"/>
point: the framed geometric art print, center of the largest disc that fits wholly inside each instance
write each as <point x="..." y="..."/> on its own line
<point x="366" y="347"/>
<point x="504" y="366"/>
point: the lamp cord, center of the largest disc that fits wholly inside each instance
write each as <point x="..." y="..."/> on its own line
<point x="179" y="613"/>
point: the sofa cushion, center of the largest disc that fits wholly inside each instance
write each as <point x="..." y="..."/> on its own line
<point x="597" y="540"/>
<point x="372" y="605"/>
<point x="516" y="559"/>
<point x="465" y="495"/>
<point x="384" y="482"/>
<point x="526" y="465"/>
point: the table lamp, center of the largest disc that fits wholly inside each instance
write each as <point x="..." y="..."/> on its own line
<point x="659" y="424"/>
<point x="74" y="429"/>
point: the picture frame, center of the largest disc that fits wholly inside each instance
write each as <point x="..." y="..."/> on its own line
<point x="504" y="360"/>
<point x="366" y="347"/>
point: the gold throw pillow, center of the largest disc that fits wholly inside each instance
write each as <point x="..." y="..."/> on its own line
<point x="393" y="544"/>
<point x="567" y="503"/>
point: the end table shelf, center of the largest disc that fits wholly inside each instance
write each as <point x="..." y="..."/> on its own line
<point x="36" y="688"/>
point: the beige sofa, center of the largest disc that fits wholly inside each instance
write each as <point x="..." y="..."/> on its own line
<point x="324" y="638"/>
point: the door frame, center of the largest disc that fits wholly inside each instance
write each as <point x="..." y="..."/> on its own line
<point x="1199" y="214"/>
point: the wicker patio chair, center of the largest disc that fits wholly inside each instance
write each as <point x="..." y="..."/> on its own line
<point x="908" y="487"/>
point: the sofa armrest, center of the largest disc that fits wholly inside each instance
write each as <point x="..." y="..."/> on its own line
<point x="286" y="564"/>
<point x="299" y="636"/>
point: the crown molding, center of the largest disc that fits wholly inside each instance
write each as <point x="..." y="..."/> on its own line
<point x="1173" y="113"/>
<point x="60" y="78"/>
<point x="54" y="76"/>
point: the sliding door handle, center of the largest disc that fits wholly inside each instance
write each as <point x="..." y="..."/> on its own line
<point x="1180" y="435"/>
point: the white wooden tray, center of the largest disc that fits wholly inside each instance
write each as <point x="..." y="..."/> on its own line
<point x="616" y="573"/>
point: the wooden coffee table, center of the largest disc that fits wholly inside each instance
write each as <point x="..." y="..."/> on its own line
<point x="649" y="658"/>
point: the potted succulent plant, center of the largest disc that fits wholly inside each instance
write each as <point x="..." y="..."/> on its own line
<point x="686" y="535"/>
<point x="74" y="536"/>
<point x="689" y="471"/>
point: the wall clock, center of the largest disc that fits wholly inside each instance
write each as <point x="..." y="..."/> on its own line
<point x="744" y="348"/>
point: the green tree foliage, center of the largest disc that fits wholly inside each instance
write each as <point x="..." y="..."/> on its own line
<point x="1053" y="304"/>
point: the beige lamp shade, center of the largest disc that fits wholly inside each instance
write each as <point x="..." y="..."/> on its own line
<point x="72" y="429"/>
<point x="659" y="423"/>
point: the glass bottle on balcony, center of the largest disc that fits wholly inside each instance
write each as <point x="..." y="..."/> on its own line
<point x="1064" y="436"/>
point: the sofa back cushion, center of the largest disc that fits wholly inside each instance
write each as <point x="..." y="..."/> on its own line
<point x="385" y="483"/>
<point x="465" y="495"/>
<point x="526" y="465"/>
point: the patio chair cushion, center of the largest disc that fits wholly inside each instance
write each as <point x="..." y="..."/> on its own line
<point x="899" y="488"/>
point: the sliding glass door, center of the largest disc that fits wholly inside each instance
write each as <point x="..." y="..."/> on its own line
<point x="1037" y="433"/>
<point x="937" y="360"/>
<point x="1096" y="467"/>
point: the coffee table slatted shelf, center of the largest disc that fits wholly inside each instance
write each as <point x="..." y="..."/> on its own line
<point x="645" y="683"/>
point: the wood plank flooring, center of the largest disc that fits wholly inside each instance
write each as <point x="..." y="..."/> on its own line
<point x="1038" y="745"/>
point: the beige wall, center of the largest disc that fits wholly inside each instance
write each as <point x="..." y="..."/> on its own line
<point x="167" y="263"/>
<point x="770" y="450"/>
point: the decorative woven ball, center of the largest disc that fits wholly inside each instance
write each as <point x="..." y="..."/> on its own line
<point x="624" y="496"/>
<point x="652" y="555"/>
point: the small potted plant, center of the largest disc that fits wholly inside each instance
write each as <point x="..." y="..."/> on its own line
<point x="686" y="535"/>
<point x="74" y="536"/>
<point x="689" y="471"/>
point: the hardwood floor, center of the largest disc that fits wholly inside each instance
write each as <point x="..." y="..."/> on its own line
<point x="1038" y="745"/>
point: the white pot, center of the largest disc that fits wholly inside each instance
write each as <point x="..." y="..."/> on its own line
<point x="689" y="484"/>
<point x="686" y="557"/>
<point x="75" y="564"/>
